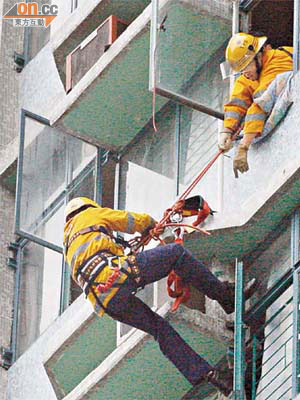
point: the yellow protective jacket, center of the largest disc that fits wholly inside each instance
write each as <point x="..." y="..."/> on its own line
<point x="245" y="91"/>
<point x="86" y="245"/>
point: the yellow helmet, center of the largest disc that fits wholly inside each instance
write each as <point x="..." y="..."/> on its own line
<point x="77" y="203"/>
<point x="241" y="50"/>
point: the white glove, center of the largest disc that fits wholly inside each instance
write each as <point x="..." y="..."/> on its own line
<point x="224" y="141"/>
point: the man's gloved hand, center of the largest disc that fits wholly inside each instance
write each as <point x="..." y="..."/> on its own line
<point x="240" y="162"/>
<point x="157" y="230"/>
<point x="224" y="141"/>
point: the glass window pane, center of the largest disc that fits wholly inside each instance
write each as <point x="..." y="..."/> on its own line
<point x="198" y="143"/>
<point x="198" y="146"/>
<point x="190" y="48"/>
<point x="52" y="162"/>
<point x="276" y="260"/>
<point x="271" y="259"/>
<point x="84" y="187"/>
<point x="40" y="288"/>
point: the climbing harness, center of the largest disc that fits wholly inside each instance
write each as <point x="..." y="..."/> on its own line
<point x="173" y="217"/>
<point x="89" y="270"/>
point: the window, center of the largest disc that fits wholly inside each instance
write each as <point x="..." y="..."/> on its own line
<point x="53" y="168"/>
<point x="41" y="271"/>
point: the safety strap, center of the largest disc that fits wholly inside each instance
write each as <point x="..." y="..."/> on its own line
<point x="94" y="228"/>
<point x="97" y="298"/>
<point x="100" y="260"/>
<point x="103" y="253"/>
<point x="286" y="51"/>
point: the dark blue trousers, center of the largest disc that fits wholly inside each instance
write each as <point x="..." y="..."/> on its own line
<point x="154" y="265"/>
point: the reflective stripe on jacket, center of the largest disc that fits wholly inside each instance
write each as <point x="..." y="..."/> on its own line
<point x="84" y="246"/>
<point x="245" y="91"/>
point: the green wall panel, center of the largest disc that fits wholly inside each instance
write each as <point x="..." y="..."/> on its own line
<point x="83" y="354"/>
<point x="147" y="375"/>
<point x="119" y="103"/>
<point x="189" y="35"/>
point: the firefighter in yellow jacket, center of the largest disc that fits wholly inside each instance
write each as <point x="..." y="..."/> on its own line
<point x="110" y="279"/>
<point x="259" y="65"/>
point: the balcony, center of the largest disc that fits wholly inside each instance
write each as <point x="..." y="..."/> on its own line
<point x="111" y="103"/>
<point x="84" y="21"/>
<point x="252" y="205"/>
<point x="84" y="56"/>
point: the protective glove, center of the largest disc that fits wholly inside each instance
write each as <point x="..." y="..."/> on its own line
<point x="224" y="141"/>
<point x="157" y="230"/>
<point x="240" y="162"/>
<point x="147" y="230"/>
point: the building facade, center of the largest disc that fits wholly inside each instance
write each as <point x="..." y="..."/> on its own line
<point x="11" y="42"/>
<point x="84" y="123"/>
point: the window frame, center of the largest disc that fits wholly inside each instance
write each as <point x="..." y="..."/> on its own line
<point x="79" y="175"/>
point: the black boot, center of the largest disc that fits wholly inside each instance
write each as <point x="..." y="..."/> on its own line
<point x="221" y="379"/>
<point x="228" y="296"/>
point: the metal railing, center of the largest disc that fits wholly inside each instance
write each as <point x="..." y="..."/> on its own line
<point x="267" y="341"/>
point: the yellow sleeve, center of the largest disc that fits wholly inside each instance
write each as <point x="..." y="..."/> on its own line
<point x="240" y="101"/>
<point x="255" y="120"/>
<point x="125" y="221"/>
<point x="275" y="62"/>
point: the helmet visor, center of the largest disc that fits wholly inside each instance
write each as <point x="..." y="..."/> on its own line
<point x="226" y="70"/>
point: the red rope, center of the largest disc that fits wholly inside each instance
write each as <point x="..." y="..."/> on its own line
<point x="195" y="182"/>
<point x="200" y="176"/>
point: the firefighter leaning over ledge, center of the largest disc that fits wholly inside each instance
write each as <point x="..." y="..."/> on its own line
<point x="110" y="279"/>
<point x="259" y="65"/>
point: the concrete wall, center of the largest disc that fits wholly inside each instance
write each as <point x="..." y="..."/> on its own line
<point x="31" y="366"/>
<point x="65" y="21"/>
<point x="57" y="334"/>
<point x="11" y="40"/>
<point x="33" y="360"/>
<point x="7" y="276"/>
<point x="42" y="91"/>
<point x="271" y="163"/>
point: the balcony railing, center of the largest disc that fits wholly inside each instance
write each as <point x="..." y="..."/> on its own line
<point x="267" y="364"/>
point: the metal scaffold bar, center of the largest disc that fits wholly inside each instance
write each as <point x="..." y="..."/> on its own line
<point x="296" y="304"/>
<point x="239" y="334"/>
